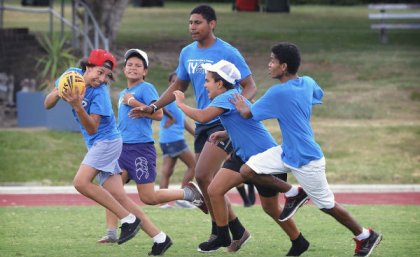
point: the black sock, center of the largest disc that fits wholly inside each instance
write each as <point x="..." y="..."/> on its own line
<point x="213" y="228"/>
<point x="223" y="235"/>
<point x="236" y="228"/>
<point x="243" y="195"/>
<point x="297" y="239"/>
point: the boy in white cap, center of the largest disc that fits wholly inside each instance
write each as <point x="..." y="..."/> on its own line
<point x="248" y="138"/>
<point x="138" y="156"/>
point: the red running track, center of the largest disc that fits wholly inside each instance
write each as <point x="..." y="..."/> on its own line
<point x="400" y="198"/>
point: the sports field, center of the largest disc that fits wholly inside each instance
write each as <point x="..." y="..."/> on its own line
<point x="368" y="126"/>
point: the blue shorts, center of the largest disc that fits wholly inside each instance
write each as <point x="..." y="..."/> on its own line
<point x="139" y="160"/>
<point x="103" y="156"/>
<point x="174" y="149"/>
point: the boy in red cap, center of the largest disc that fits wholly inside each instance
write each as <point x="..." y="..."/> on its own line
<point x="93" y="111"/>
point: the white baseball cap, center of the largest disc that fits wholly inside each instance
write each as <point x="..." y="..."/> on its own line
<point x="225" y="69"/>
<point x="138" y="52"/>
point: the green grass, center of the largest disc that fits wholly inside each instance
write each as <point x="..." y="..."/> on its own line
<point x="356" y="151"/>
<point x="73" y="231"/>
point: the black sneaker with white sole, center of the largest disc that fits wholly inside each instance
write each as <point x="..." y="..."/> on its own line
<point x="365" y="247"/>
<point x="292" y="204"/>
<point x="129" y="230"/>
<point x="213" y="245"/>
<point x="160" y="248"/>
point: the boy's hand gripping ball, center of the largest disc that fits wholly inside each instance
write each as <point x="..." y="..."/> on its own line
<point x="69" y="81"/>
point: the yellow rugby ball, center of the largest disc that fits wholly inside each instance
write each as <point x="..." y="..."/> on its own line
<point x="69" y="81"/>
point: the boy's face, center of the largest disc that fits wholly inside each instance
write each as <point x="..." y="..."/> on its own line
<point x="212" y="86"/>
<point x="200" y="28"/>
<point x="95" y="76"/>
<point x="276" y="69"/>
<point x="134" y="69"/>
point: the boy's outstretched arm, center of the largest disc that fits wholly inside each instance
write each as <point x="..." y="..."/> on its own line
<point x="199" y="115"/>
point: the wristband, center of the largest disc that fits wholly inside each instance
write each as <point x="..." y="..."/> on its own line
<point x="129" y="99"/>
<point x="154" y="108"/>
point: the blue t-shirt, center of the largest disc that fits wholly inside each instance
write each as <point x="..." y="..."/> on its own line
<point x="137" y="130"/>
<point x="192" y="57"/>
<point x="248" y="136"/>
<point x="175" y="132"/>
<point x="291" y="104"/>
<point x="97" y="100"/>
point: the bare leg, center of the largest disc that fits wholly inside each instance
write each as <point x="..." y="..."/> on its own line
<point x="149" y="196"/>
<point x="187" y="157"/>
<point x="83" y="183"/>
<point x="224" y="180"/>
<point x="268" y="181"/>
<point x="344" y="217"/>
<point x="120" y="194"/>
<point x="208" y="163"/>
<point x="168" y="166"/>
<point x="272" y="208"/>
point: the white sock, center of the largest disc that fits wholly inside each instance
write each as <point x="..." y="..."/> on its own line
<point x="112" y="233"/>
<point x="129" y="219"/>
<point x="159" y="238"/>
<point x="292" y="192"/>
<point x="365" y="234"/>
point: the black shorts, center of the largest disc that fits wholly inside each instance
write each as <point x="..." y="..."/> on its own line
<point x="235" y="163"/>
<point x="203" y="132"/>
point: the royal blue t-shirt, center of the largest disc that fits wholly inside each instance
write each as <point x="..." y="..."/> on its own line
<point x="175" y="132"/>
<point x="97" y="100"/>
<point x="137" y="130"/>
<point x="192" y="57"/>
<point x="291" y="104"/>
<point x="248" y="136"/>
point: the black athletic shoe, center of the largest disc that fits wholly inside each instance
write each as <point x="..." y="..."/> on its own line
<point x="213" y="245"/>
<point x="299" y="246"/>
<point x="198" y="200"/>
<point x="160" y="249"/>
<point x="292" y="204"/>
<point x="129" y="230"/>
<point x="365" y="247"/>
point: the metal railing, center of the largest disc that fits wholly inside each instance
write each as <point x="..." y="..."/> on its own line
<point x="99" y="39"/>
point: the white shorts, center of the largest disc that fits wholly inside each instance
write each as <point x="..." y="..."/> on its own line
<point x="310" y="176"/>
<point x="103" y="156"/>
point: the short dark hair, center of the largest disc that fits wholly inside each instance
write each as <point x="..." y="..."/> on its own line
<point x="287" y="53"/>
<point x="138" y="56"/>
<point x="206" y="11"/>
<point x="217" y="78"/>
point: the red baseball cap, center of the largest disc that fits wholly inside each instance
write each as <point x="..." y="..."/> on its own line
<point x="100" y="57"/>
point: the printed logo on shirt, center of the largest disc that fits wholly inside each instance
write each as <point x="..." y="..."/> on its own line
<point x="194" y="66"/>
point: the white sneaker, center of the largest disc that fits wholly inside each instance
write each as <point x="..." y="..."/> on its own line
<point x="165" y="206"/>
<point x="184" y="204"/>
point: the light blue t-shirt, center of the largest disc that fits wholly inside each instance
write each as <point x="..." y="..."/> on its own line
<point x="175" y="132"/>
<point x="291" y="104"/>
<point x="192" y="57"/>
<point x="137" y="130"/>
<point x="97" y="100"/>
<point x="248" y="136"/>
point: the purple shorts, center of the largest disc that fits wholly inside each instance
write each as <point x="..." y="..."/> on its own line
<point x="139" y="160"/>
